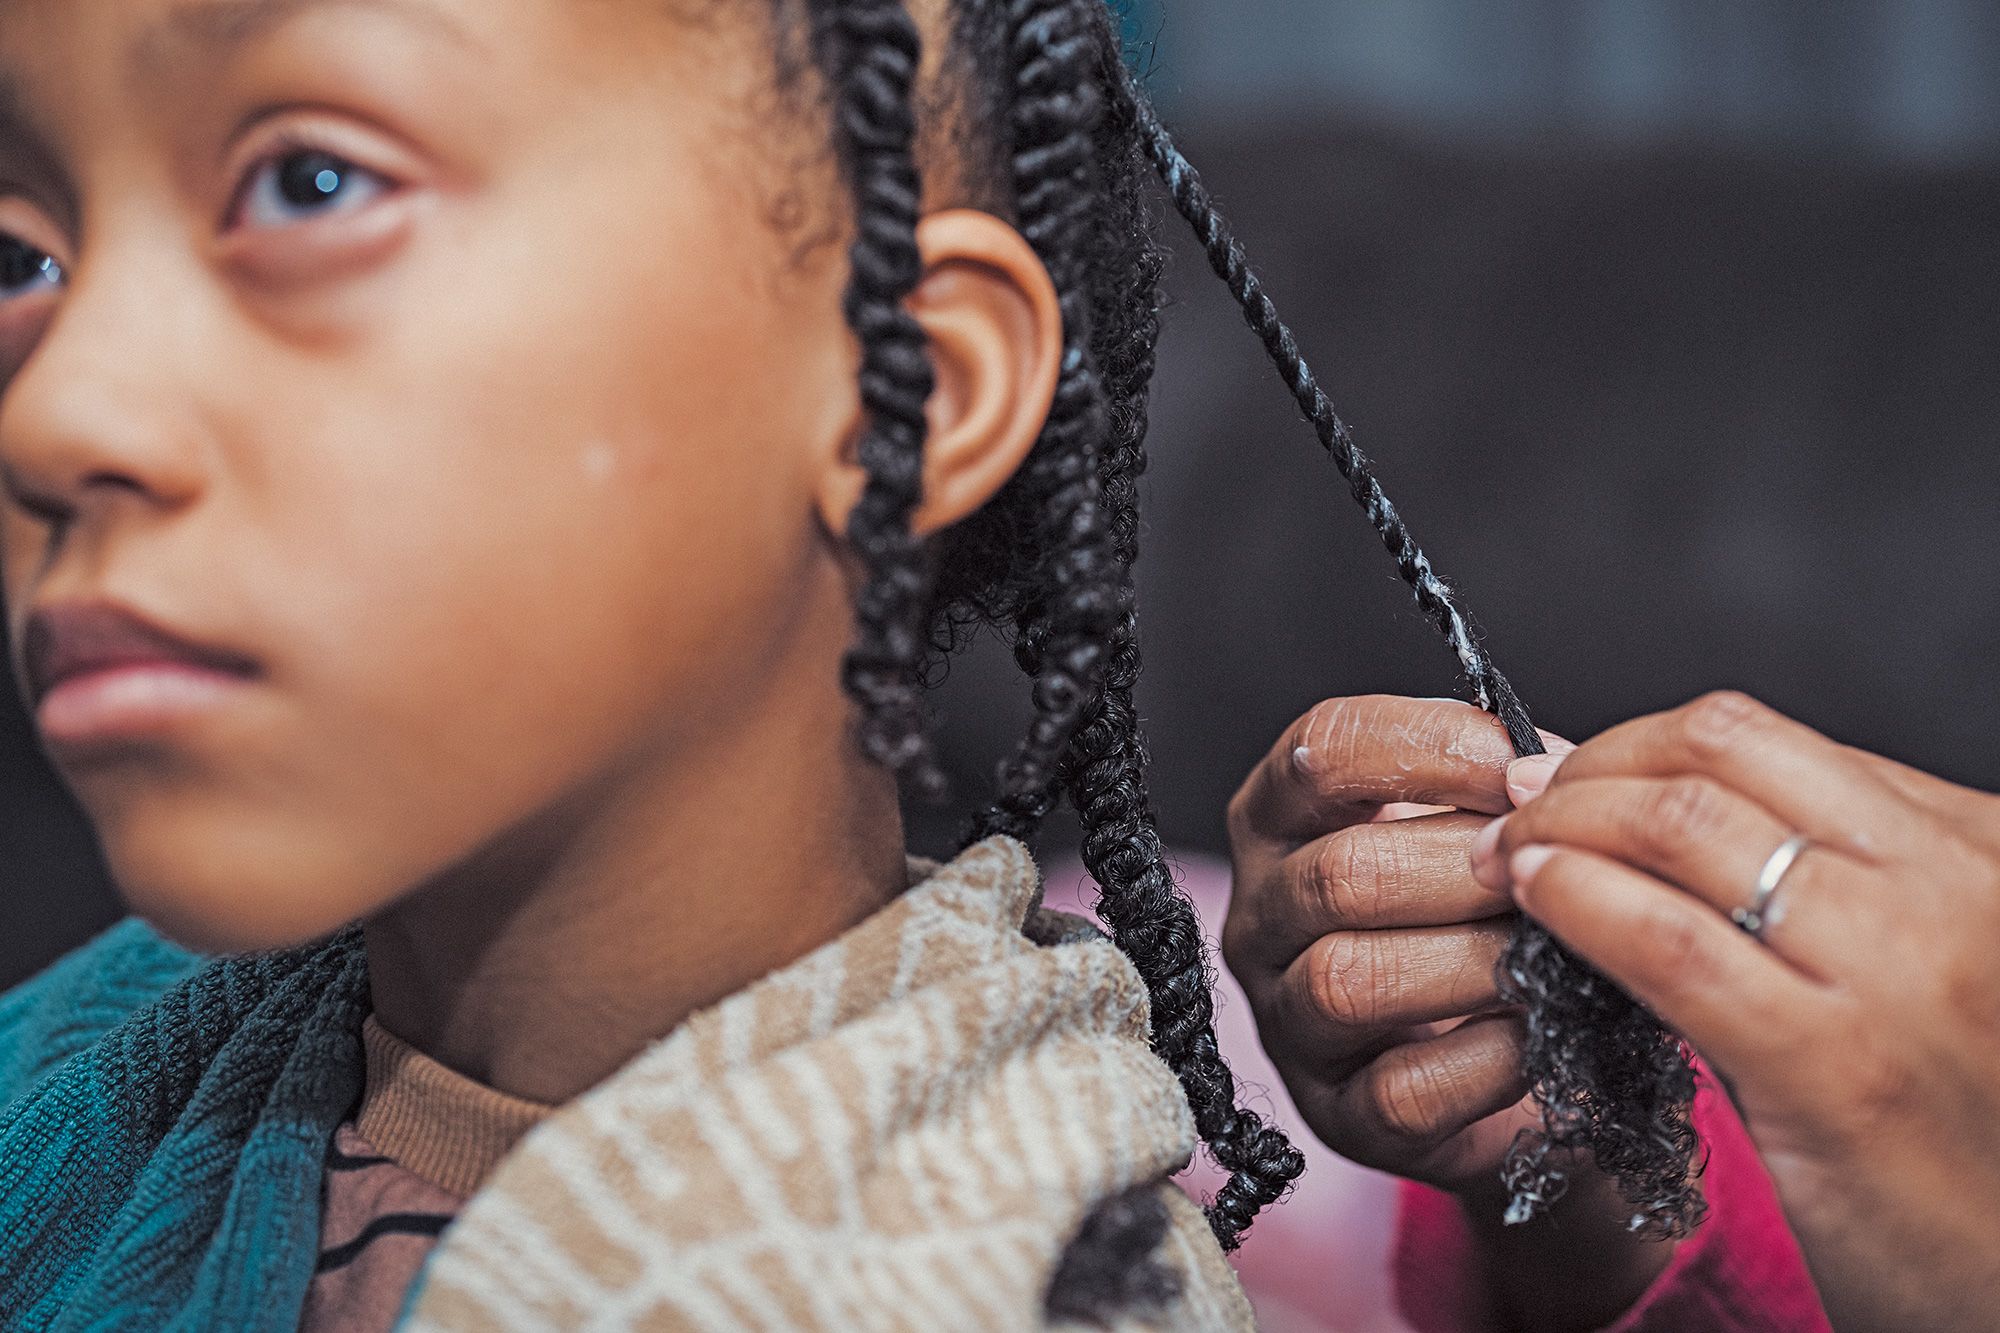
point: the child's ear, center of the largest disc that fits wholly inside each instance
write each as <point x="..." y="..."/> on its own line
<point x="994" y="325"/>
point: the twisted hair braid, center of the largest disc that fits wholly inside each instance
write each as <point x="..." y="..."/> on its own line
<point x="1226" y="257"/>
<point x="868" y="52"/>
<point x="1077" y="178"/>
<point x="1606" y="1074"/>
<point x="1064" y="623"/>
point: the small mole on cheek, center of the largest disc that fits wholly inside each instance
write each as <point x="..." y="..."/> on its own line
<point x="599" y="461"/>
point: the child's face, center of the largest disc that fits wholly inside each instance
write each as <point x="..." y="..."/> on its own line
<point x="436" y="357"/>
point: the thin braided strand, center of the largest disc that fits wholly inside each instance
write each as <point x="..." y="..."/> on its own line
<point x="1226" y="257"/>
<point x="1606" y="1075"/>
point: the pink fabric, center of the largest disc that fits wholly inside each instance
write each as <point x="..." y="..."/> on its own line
<point x="364" y="1293"/>
<point x="1740" y="1272"/>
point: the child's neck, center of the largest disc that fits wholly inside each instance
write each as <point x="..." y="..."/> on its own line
<point x="567" y="946"/>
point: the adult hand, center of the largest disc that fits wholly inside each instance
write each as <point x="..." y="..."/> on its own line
<point x="1860" y="1038"/>
<point x="1368" y="950"/>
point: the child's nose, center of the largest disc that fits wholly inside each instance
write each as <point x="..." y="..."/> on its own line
<point x="101" y="413"/>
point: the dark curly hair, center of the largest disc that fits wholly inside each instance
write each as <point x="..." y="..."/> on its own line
<point x="1050" y="129"/>
<point x="1048" y="563"/>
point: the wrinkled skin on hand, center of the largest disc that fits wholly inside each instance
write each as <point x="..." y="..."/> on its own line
<point x="1368" y="950"/>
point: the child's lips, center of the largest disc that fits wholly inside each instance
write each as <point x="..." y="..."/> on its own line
<point x="98" y="672"/>
<point x="125" y="702"/>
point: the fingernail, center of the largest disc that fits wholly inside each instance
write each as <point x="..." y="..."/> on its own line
<point x="1527" y="862"/>
<point x="1487" y="868"/>
<point x="1555" y="744"/>
<point x="1530" y="777"/>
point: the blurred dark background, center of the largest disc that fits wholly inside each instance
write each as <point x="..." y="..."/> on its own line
<point x="1674" y="326"/>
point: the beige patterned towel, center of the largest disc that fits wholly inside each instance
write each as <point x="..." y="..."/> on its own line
<point x="901" y="1131"/>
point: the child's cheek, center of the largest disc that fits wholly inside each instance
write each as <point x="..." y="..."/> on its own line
<point x="538" y="509"/>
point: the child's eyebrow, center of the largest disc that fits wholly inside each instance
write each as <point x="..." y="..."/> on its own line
<point x="217" y="29"/>
<point x="211" y="31"/>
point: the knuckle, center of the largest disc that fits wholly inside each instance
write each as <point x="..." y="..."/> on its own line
<point x="1958" y="877"/>
<point x="1719" y="722"/>
<point x="1475" y="974"/>
<point x="1683" y="812"/>
<point x="1409" y="1099"/>
<point x="1329" y="729"/>
<point x="1679" y="956"/>
<point x="1880" y="1088"/>
<point x="1309" y="726"/>
<point x="1236" y="815"/>
<point x="1346" y="874"/>
<point x="1967" y="989"/>
<point x="1970" y="996"/>
<point x="1986" y="885"/>
<point x="1236" y="934"/>
<point x="1347" y="985"/>
<point x="1248" y="951"/>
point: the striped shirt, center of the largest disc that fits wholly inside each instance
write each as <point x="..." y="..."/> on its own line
<point x="421" y="1140"/>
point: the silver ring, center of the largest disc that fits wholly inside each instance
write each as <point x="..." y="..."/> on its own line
<point x="1755" y="917"/>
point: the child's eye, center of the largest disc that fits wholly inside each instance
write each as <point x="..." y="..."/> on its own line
<point x="304" y="184"/>
<point x="24" y="269"/>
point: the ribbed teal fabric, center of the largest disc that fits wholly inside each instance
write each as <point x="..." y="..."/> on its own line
<point x="164" y="1118"/>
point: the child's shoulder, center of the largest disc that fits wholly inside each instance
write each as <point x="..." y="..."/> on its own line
<point x="79" y="997"/>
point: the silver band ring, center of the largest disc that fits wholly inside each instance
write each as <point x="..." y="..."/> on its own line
<point x="1755" y="917"/>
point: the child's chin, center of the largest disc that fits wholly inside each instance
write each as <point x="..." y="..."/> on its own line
<point x="228" y="877"/>
<point x="226" y="925"/>
<point x="223" y="907"/>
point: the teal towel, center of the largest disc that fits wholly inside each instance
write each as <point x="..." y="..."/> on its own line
<point x="164" y="1119"/>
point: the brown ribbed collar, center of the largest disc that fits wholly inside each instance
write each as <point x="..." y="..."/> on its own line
<point x="434" y="1121"/>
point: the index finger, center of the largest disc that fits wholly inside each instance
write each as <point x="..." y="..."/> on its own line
<point x="1809" y="781"/>
<point x="1368" y="876"/>
<point x="1345" y="758"/>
